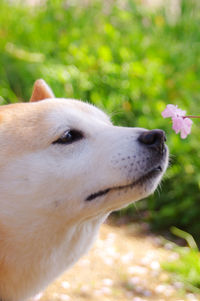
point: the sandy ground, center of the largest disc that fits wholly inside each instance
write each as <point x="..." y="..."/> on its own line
<point x="124" y="264"/>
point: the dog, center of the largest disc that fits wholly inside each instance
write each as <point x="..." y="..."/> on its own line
<point x="63" y="168"/>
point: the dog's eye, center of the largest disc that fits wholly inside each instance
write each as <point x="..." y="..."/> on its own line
<point x="69" y="137"/>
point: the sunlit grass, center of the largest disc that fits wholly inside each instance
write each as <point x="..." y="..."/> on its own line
<point x="186" y="268"/>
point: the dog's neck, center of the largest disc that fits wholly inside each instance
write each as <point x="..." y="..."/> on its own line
<point x="68" y="248"/>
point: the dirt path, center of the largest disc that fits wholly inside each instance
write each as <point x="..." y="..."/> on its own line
<point x="122" y="265"/>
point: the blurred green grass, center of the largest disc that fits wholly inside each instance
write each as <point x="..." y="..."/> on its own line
<point x="185" y="268"/>
<point x="127" y="60"/>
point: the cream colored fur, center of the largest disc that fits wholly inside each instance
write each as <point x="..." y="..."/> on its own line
<point x="46" y="223"/>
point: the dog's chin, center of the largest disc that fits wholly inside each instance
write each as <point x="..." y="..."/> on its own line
<point x="137" y="189"/>
<point x="117" y="199"/>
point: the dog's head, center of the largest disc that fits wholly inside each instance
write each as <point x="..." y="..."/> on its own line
<point x="63" y="168"/>
<point x="64" y="157"/>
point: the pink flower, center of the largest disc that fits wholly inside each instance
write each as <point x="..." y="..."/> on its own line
<point x="173" y="111"/>
<point x="181" y="124"/>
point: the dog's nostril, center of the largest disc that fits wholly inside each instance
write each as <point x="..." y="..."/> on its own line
<point x="154" y="139"/>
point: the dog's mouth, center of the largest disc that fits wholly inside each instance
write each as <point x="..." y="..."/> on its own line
<point x="146" y="177"/>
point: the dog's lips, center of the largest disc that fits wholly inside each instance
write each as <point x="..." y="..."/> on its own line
<point x="147" y="176"/>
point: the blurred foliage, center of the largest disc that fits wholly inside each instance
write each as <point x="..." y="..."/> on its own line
<point x="186" y="268"/>
<point x="127" y="60"/>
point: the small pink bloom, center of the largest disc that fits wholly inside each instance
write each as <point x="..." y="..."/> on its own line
<point x="187" y="128"/>
<point x="181" y="124"/>
<point x="177" y="124"/>
<point x="173" y="111"/>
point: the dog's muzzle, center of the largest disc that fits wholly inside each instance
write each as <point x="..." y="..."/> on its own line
<point x="153" y="143"/>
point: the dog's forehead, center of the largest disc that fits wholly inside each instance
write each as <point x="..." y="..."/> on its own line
<point x="73" y="110"/>
<point x="56" y="109"/>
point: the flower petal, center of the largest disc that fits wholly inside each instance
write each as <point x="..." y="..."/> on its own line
<point x="182" y="125"/>
<point x="173" y="111"/>
<point x="169" y="111"/>
<point x="177" y="124"/>
<point x="186" y="129"/>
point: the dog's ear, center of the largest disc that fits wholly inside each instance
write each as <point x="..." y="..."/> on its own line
<point x="41" y="91"/>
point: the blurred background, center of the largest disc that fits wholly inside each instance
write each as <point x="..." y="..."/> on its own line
<point x="130" y="58"/>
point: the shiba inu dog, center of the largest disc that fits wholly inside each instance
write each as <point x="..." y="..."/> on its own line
<point x="63" y="168"/>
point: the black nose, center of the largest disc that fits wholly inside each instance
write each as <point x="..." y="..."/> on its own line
<point x="154" y="139"/>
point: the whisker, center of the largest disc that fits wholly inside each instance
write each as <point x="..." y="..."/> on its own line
<point x="137" y="211"/>
<point x="115" y="113"/>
